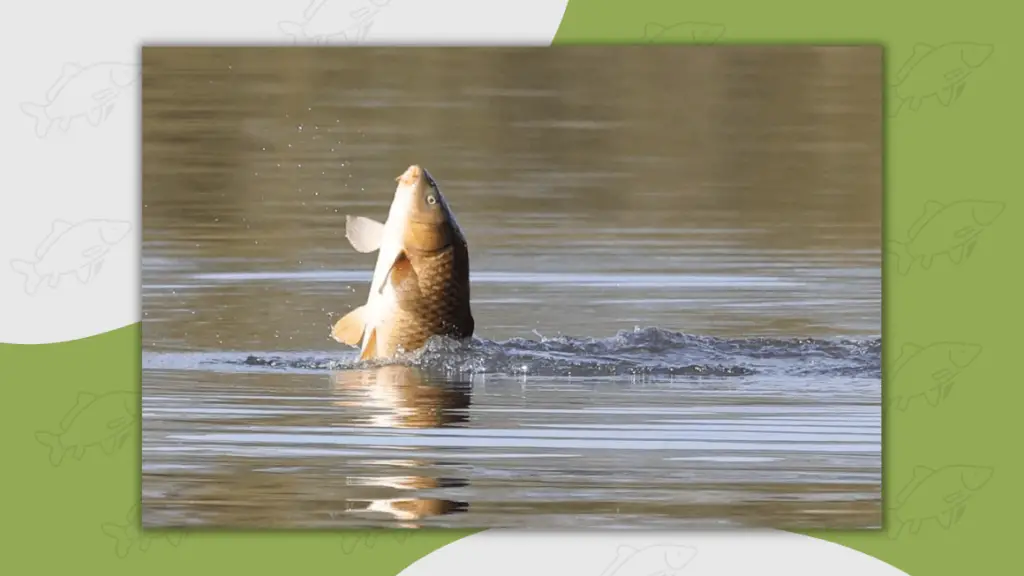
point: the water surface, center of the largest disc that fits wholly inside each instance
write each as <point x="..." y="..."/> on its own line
<point x="675" y="273"/>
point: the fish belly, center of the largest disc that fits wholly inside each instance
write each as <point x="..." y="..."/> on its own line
<point x="435" y="304"/>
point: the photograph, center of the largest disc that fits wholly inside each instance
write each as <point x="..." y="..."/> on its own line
<point x="581" y="287"/>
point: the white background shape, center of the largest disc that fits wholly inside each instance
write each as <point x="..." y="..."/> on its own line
<point x="763" y="552"/>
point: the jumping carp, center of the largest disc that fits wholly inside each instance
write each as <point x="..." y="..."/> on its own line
<point x="420" y="285"/>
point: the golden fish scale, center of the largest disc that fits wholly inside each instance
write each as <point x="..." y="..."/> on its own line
<point x="432" y="302"/>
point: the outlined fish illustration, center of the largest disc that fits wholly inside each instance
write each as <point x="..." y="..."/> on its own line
<point x="939" y="495"/>
<point x="700" y="32"/>
<point x="951" y="229"/>
<point x="130" y="534"/>
<point x="71" y="248"/>
<point x="657" y="559"/>
<point x="89" y="92"/>
<point x="326" y="21"/>
<point x="936" y="71"/>
<point x="351" y="541"/>
<point x="929" y="371"/>
<point x="106" y="421"/>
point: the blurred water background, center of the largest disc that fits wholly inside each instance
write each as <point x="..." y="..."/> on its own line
<point x="676" y="282"/>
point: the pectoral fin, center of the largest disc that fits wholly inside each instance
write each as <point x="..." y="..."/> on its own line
<point x="404" y="280"/>
<point x="364" y="234"/>
<point x="349" y="330"/>
<point x="399" y="274"/>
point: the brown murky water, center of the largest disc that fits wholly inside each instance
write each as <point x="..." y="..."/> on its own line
<point x="676" y="282"/>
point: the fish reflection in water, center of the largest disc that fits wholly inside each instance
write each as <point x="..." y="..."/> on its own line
<point x="399" y="396"/>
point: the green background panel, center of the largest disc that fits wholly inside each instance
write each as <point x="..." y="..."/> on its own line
<point x="952" y="470"/>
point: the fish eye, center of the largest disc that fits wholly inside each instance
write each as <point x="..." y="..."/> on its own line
<point x="431" y="199"/>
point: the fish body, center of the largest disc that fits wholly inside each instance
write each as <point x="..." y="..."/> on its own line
<point x="929" y="370"/>
<point x="103" y="420"/>
<point x="82" y="91"/>
<point x="420" y="285"/>
<point x="78" y="249"/>
<point x="937" y="71"/>
<point x="332" y="20"/>
<point x="937" y="494"/>
<point x="700" y="32"/>
<point x="130" y="534"/>
<point x="951" y="229"/>
<point x="655" y="560"/>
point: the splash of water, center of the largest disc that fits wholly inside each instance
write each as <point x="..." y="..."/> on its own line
<point x="641" y="351"/>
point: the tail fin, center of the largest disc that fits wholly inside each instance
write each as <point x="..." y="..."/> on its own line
<point x="120" y="534"/>
<point x="52" y="441"/>
<point x="38" y="112"/>
<point x="28" y="270"/>
<point x="904" y="260"/>
<point x="894" y="526"/>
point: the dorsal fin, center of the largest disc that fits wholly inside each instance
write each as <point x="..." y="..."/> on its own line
<point x="920" y="51"/>
<point x="931" y="208"/>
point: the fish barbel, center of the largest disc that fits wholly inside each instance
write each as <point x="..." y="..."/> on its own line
<point x="420" y="285"/>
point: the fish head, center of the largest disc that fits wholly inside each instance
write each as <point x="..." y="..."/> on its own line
<point x="985" y="213"/>
<point x="975" y="477"/>
<point x="973" y="54"/>
<point x="124" y="75"/>
<point x="429" y="225"/>
<point x="963" y="354"/>
<point x="113" y="231"/>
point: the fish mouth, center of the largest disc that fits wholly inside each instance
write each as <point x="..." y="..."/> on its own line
<point x="412" y="176"/>
<point x="975" y="478"/>
<point x="126" y="75"/>
<point x="986" y="213"/>
<point x="965" y="354"/>
<point x="114" y="232"/>
<point x="975" y="55"/>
